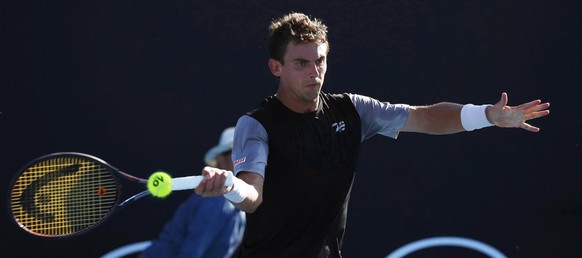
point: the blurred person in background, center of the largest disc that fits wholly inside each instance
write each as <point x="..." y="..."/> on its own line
<point x="203" y="227"/>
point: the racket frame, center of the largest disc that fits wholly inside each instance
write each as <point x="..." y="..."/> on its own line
<point x="180" y="183"/>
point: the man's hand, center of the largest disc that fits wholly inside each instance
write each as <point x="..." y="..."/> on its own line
<point x="512" y="117"/>
<point x="213" y="182"/>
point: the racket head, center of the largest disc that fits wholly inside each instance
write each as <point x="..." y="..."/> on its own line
<point x="63" y="194"/>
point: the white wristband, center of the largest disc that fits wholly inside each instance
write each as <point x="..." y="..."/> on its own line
<point x="474" y="117"/>
<point x="238" y="193"/>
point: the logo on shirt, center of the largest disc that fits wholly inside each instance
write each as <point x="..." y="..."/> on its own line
<point x="339" y="127"/>
<point x="238" y="161"/>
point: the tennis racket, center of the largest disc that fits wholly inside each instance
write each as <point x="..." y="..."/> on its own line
<point x="69" y="193"/>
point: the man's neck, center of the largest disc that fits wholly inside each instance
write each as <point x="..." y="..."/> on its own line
<point x="296" y="105"/>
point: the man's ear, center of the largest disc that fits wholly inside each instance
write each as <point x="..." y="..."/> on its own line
<point x="275" y="67"/>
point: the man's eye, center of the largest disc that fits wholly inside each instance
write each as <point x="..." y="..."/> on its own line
<point x="301" y="63"/>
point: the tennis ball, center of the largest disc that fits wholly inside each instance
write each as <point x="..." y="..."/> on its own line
<point x="160" y="184"/>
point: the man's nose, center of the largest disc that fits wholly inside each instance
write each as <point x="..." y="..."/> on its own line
<point x="313" y="71"/>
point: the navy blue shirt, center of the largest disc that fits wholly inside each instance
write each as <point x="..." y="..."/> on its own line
<point x="202" y="227"/>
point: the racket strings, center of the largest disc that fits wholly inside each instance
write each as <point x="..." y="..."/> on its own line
<point x="63" y="195"/>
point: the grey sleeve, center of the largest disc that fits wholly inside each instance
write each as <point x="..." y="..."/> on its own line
<point x="250" y="148"/>
<point x="379" y="117"/>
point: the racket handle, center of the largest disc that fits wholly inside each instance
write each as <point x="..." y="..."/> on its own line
<point x="191" y="182"/>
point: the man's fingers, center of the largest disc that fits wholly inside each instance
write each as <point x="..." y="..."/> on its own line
<point x="218" y="182"/>
<point x="213" y="182"/>
<point x="538" y="107"/>
<point x="502" y="101"/>
<point x="534" y="115"/>
<point x="530" y="128"/>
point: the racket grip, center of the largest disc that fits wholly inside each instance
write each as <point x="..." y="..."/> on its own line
<point x="191" y="182"/>
<point x="185" y="183"/>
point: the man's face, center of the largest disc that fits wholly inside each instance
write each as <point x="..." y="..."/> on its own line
<point x="303" y="73"/>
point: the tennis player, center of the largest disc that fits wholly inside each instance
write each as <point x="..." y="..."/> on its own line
<point x="295" y="154"/>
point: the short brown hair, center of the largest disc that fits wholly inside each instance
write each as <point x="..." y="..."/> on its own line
<point x="297" y="28"/>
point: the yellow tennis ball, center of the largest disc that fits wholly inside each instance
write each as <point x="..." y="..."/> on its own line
<point x="160" y="184"/>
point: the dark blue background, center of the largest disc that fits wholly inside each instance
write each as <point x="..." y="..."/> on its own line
<point x="149" y="85"/>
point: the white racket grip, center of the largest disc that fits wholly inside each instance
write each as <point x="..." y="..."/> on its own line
<point x="191" y="182"/>
<point x="186" y="183"/>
